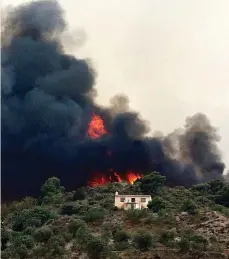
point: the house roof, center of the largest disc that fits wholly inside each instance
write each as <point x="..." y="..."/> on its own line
<point x="129" y="195"/>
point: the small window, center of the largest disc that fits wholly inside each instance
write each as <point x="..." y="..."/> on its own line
<point x="143" y="199"/>
<point x="122" y="199"/>
<point x="132" y="199"/>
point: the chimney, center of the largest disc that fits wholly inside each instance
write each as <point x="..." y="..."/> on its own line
<point x="116" y="193"/>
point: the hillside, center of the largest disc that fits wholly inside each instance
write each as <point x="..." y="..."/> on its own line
<point x="180" y="223"/>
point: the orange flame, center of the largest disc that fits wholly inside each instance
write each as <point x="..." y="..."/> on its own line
<point x="99" y="179"/>
<point x="96" y="127"/>
<point x="132" y="177"/>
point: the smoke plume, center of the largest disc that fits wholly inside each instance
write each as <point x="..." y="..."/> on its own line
<point x="48" y="105"/>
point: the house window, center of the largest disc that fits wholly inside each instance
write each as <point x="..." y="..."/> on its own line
<point x="132" y="199"/>
<point x="143" y="199"/>
<point x="122" y="199"/>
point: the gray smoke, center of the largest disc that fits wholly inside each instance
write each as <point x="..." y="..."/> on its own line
<point x="48" y="102"/>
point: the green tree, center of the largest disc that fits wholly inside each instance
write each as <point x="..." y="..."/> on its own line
<point x="156" y="204"/>
<point x="52" y="191"/>
<point x="151" y="183"/>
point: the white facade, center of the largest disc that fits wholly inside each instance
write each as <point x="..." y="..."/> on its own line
<point x="131" y="201"/>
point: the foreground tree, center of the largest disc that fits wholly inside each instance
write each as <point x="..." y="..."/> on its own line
<point x="151" y="183"/>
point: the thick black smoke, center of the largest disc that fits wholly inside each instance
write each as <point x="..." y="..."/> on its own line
<point x="47" y="104"/>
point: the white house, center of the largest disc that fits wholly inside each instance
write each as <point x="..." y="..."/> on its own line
<point x="131" y="201"/>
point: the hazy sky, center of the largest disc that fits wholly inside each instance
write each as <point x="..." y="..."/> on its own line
<point x="170" y="57"/>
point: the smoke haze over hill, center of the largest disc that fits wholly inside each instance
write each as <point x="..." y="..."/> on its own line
<point x="48" y="102"/>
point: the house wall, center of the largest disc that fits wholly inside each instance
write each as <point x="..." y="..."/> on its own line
<point x="127" y="205"/>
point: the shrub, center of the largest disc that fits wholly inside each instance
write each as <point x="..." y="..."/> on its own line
<point x="143" y="240"/>
<point x="70" y="208"/>
<point x="136" y="215"/>
<point x="95" y="248"/>
<point x="75" y="224"/>
<point x="25" y="240"/>
<point x="203" y="188"/>
<point x="56" y="246"/>
<point x="83" y="235"/>
<point x="121" y="246"/>
<point x="29" y="230"/>
<point x="17" y="207"/>
<point x="189" y="206"/>
<point x="184" y="245"/>
<point x="35" y="217"/>
<point x="79" y="194"/>
<point x="221" y="209"/>
<point x="198" y="242"/>
<point x="216" y="186"/>
<point x="43" y="234"/>
<point x="5" y="236"/>
<point x="152" y="183"/>
<point x="223" y="196"/>
<point x="156" y="204"/>
<point x="121" y="236"/>
<point x="22" y="251"/>
<point x="166" y="237"/>
<point x="94" y="214"/>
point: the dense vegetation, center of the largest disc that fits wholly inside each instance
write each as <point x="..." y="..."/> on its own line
<point x="85" y="223"/>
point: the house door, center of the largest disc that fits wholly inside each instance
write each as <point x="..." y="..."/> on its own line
<point x="132" y="206"/>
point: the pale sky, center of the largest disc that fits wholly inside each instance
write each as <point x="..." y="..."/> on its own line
<point x="171" y="57"/>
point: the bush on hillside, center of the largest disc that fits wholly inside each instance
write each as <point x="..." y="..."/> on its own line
<point x="22" y="251"/>
<point x="35" y="217"/>
<point x="189" y="206"/>
<point x="79" y="194"/>
<point x="143" y="240"/>
<point x="156" y="204"/>
<point x="75" y="224"/>
<point x="167" y="237"/>
<point x="95" y="248"/>
<point x="121" y="236"/>
<point x="216" y="186"/>
<point x="198" y="242"/>
<point x="203" y="188"/>
<point x="70" y="208"/>
<point x="19" y="239"/>
<point x="223" y="196"/>
<point x="94" y="214"/>
<point x="56" y="246"/>
<point x="136" y="215"/>
<point x="43" y="234"/>
<point x="222" y="209"/>
<point x="184" y="245"/>
<point x="83" y="235"/>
